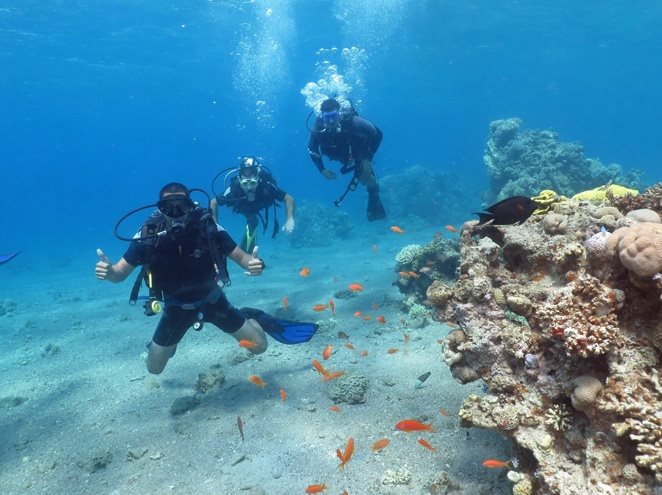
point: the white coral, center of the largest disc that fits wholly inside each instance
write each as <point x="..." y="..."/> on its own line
<point x="558" y="417"/>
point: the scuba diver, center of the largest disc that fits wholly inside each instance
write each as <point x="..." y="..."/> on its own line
<point x="183" y="253"/>
<point x="341" y="135"/>
<point x="252" y="189"/>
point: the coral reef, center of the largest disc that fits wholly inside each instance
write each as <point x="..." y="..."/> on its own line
<point x="567" y="338"/>
<point x="519" y="163"/>
<point x="317" y="225"/>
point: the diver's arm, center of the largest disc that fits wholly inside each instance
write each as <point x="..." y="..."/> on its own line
<point x="289" y="210"/>
<point x="367" y="134"/>
<point x="115" y="273"/>
<point x="213" y="206"/>
<point x="314" y="151"/>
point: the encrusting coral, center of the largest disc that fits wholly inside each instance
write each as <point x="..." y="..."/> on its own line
<point x="567" y="337"/>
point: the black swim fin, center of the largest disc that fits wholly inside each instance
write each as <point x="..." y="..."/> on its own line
<point x="284" y="331"/>
<point x="375" y="207"/>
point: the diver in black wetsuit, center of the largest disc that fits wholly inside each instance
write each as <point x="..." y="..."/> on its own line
<point x="253" y="189"/>
<point x="353" y="141"/>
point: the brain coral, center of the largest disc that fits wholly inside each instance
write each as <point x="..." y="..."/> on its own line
<point x="638" y="247"/>
<point x="586" y="391"/>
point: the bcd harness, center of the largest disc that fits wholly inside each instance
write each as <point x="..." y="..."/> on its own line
<point x="152" y="233"/>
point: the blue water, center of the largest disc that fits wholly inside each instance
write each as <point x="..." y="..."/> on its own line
<point x="104" y="101"/>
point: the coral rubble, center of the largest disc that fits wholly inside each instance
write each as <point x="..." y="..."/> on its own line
<point x="562" y="320"/>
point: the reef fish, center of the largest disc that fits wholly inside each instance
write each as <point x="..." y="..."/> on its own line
<point x="4" y="258"/>
<point x="413" y="425"/>
<point x="513" y="210"/>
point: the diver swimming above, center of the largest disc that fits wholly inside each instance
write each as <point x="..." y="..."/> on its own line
<point x="183" y="253"/>
<point x="341" y="135"/>
<point x="253" y="189"/>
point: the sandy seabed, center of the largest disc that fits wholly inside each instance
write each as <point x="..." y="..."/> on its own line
<point x="79" y="414"/>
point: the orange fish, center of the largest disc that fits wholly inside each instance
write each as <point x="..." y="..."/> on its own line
<point x="413" y="274"/>
<point x="413" y="425"/>
<point x="326" y="353"/>
<point x="425" y="444"/>
<point x="363" y="353"/>
<point x="366" y="317"/>
<point x="247" y="344"/>
<point x="381" y="319"/>
<point x="316" y="488"/>
<point x="380" y="444"/>
<point x="283" y="395"/>
<point x="256" y="380"/>
<point x="320" y="369"/>
<point x="493" y="463"/>
<point x="392" y="350"/>
<point x="332" y="375"/>
<point x="374" y="249"/>
<point x="332" y="305"/>
<point x="374" y="306"/>
<point x="451" y="229"/>
<point x="349" y="345"/>
<point x="342" y="335"/>
<point x="347" y="455"/>
<point x="403" y="274"/>
<point x="285" y="302"/>
<point x="335" y="409"/>
<point x="358" y="314"/>
<point x="397" y="230"/>
<point x="304" y="272"/>
<point x="320" y="307"/>
<point x="355" y="287"/>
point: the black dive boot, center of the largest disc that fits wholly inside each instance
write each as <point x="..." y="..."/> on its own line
<point x="375" y="207"/>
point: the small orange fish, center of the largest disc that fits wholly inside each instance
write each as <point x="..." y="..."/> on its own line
<point x="256" y="380"/>
<point x="406" y="338"/>
<point x="304" y="272"/>
<point x="397" y="230"/>
<point x="374" y="249"/>
<point x="494" y="463"/>
<point x="413" y="275"/>
<point x="316" y="488"/>
<point x="332" y="375"/>
<point x="363" y="353"/>
<point x="355" y="287"/>
<point x="380" y="444"/>
<point x="342" y="335"/>
<point x="332" y="305"/>
<point x="349" y="345"/>
<point x="392" y="350"/>
<point x="347" y="455"/>
<point x="366" y="317"/>
<point x="413" y="425"/>
<point x="404" y="274"/>
<point x="283" y="395"/>
<point x="285" y="302"/>
<point x="358" y="314"/>
<point x="247" y="344"/>
<point x="381" y="319"/>
<point x="451" y="229"/>
<point x="320" y="369"/>
<point x="374" y="306"/>
<point x="425" y="444"/>
<point x="335" y="408"/>
<point x="326" y="353"/>
<point x="320" y="307"/>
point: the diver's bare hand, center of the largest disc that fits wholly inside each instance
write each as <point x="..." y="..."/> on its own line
<point x="255" y="265"/>
<point x="329" y="174"/>
<point x="289" y="225"/>
<point x="103" y="267"/>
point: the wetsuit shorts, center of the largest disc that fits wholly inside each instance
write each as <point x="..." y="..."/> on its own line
<point x="175" y="320"/>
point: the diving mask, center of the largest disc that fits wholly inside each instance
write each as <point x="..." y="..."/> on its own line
<point x="174" y="207"/>
<point x="330" y="118"/>
<point x="248" y="183"/>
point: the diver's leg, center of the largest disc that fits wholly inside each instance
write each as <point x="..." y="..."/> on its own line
<point x="251" y="330"/>
<point x="226" y="317"/>
<point x="174" y="323"/>
<point x="367" y="177"/>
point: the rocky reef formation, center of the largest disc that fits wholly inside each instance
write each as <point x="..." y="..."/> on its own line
<point x="561" y="317"/>
<point x="317" y="225"/>
<point x="522" y="163"/>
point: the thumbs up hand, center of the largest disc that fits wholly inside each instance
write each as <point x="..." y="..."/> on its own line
<point x="255" y="264"/>
<point x="104" y="266"/>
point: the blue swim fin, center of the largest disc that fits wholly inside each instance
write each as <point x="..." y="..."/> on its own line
<point x="6" y="257"/>
<point x="284" y="331"/>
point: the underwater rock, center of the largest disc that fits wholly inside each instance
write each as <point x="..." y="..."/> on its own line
<point x="350" y="389"/>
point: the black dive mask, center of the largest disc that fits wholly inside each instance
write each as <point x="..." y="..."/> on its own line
<point x="175" y="208"/>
